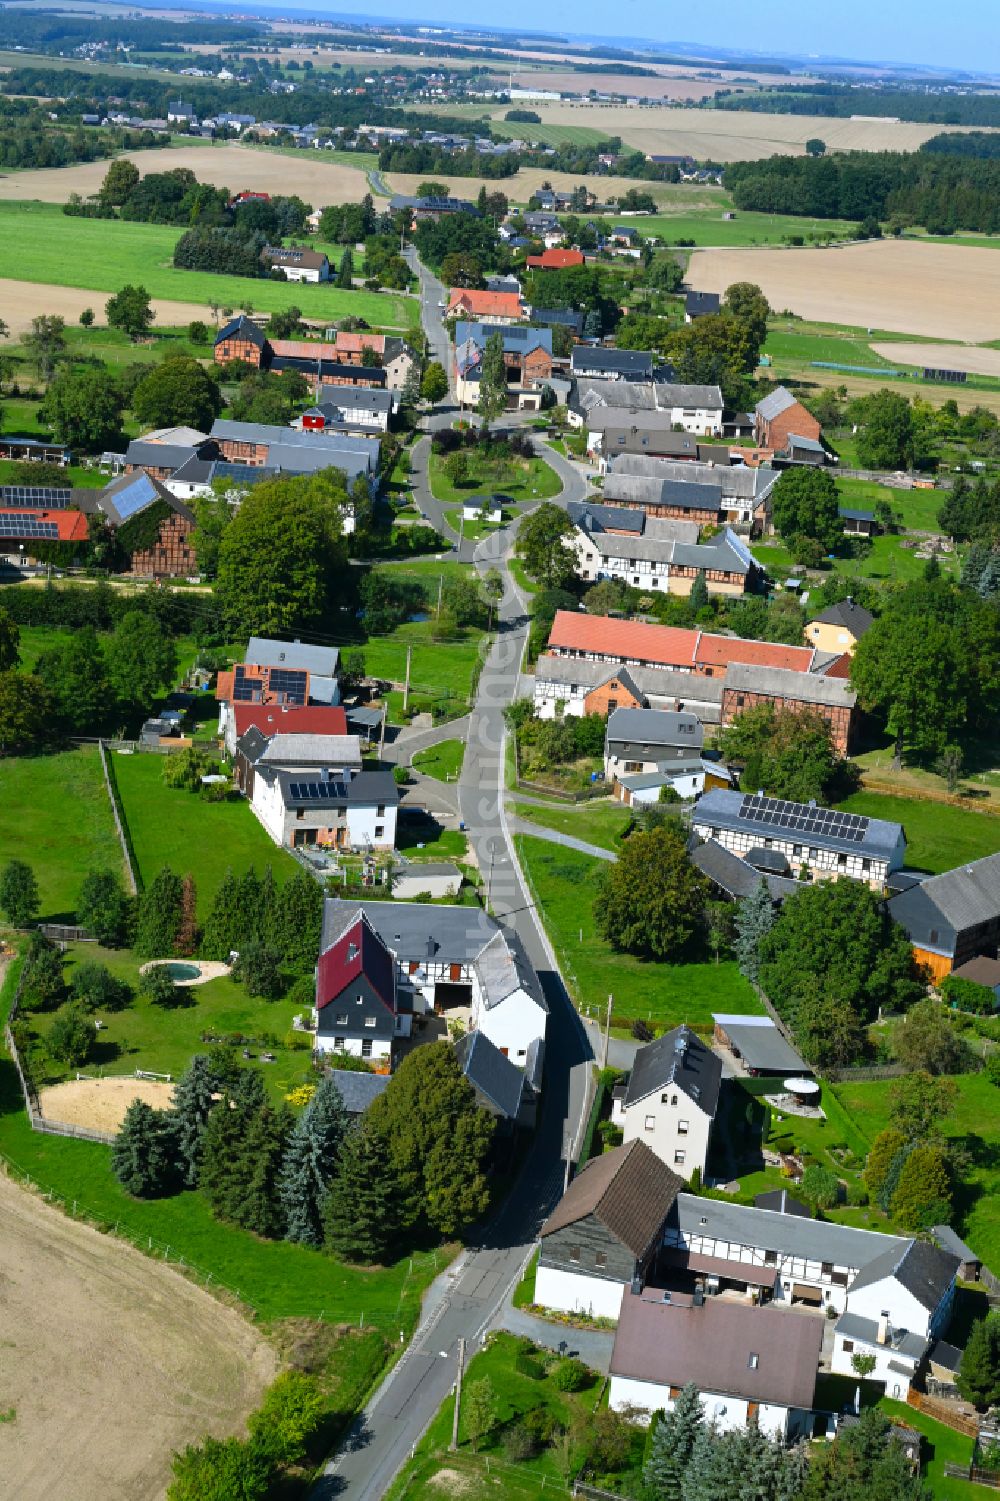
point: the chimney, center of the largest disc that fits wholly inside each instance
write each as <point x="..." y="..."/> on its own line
<point x="699" y="1295"/>
<point x="883" y="1330"/>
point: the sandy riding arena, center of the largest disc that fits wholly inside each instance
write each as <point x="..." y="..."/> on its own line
<point x="101" y="1103"/>
<point x="109" y="1360"/>
<point x="940" y="291"/>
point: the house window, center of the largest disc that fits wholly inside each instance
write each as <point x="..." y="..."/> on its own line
<point x="650" y="1122"/>
<point x="574" y="1253"/>
<point x="682" y="1128"/>
<point x="827" y="1268"/>
<point x="739" y="700"/>
<point x="379" y="830"/>
<point x="342" y="1019"/>
<point x="380" y="811"/>
<point x="366" y="1047"/>
<point x="340" y="1043"/>
<point x="770" y="1258"/>
<point x="753" y="1361"/>
<point x="848" y="1346"/>
<point x="866" y="866"/>
<point x="679" y="1158"/>
<point x="796" y="851"/>
<point x="601" y="1259"/>
<point x="369" y="1021"/>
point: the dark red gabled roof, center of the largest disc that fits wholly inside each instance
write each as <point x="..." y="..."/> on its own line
<point x="289" y="719"/>
<point x="359" y="951"/>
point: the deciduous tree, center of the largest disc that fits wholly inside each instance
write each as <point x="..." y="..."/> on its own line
<point x="541" y="543"/>
<point x="105" y="908"/>
<point x="492" y="380"/>
<point x="805" y="503"/>
<point x="19" y="898"/>
<point x="142" y="660"/>
<point x="177" y="392"/>
<point x="651" y="901"/>
<point x="919" y="1103"/>
<point x="922" y="1195"/>
<point x="925" y="1039"/>
<point x="26" y="714"/>
<point x="785" y="752"/>
<point x="131" y="310"/>
<point x="71" y="1036"/>
<point x="83" y="407"/>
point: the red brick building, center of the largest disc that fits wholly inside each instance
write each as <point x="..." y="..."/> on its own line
<point x="830" y="697"/>
<point x="778" y="417"/>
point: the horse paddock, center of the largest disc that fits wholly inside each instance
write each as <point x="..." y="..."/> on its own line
<point x="100" y="1104"/>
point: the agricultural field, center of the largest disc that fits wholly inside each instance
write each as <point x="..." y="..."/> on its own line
<point x="977" y="361"/>
<point x="112" y="1360"/>
<point x="726" y="136"/>
<point x="528" y="180"/>
<point x="709" y="228"/>
<point x="40" y="244"/>
<point x="661" y="994"/>
<point x="908" y="286"/>
<point x="169" y="826"/>
<point x="24" y="300"/>
<point x="55" y="814"/>
<point x="315" y="177"/>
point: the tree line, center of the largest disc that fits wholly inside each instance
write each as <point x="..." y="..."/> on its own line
<point x="841" y="101"/>
<point x="942" y="192"/>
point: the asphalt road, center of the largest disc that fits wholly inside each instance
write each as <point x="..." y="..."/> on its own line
<point x="470" y="1298"/>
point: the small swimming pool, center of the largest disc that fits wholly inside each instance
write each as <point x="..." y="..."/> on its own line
<point x="183" y="973"/>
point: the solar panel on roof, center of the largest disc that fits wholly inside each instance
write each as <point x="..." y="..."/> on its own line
<point x="831" y="822"/>
<point x="42" y="496"/>
<point x="135" y="497"/>
<point x="26" y="524"/>
<point x="304" y="792"/>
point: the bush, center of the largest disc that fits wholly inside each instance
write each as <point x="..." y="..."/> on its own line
<point x="519" y="1443"/>
<point x="571" y="1375"/>
<point x="97" y="988"/>
<point x="857" y="1194"/>
<point x="72" y="1035"/>
<point x="298" y="1042"/>
<point x="157" y="985"/>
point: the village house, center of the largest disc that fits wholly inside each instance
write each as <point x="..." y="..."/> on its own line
<point x="749" y="1364"/>
<point x="606" y="1232"/>
<point x="556" y="260"/>
<point x="278" y="675"/>
<point x="322" y="806"/>
<point x="392" y="354"/>
<point x="732" y="877"/>
<point x="670" y="409"/>
<point x="661" y="560"/>
<point x="449" y="961"/>
<point x="282" y="719"/>
<point x="648" y="739"/>
<point x="360" y="410"/>
<point x="825" y="692"/>
<point x="701" y="305"/>
<point x="840" y="627"/>
<point x="259" y="751"/>
<point x="500" y="1086"/>
<point x="671" y="1100"/>
<point x="952" y="917"/>
<point x="595" y="362"/>
<point x="778" y="417"/>
<point x="473" y="306"/>
<point x="338" y="359"/>
<point x="572" y="685"/>
<point x="527" y="355"/>
<point x="152" y="526"/>
<point x="421" y="208"/>
<point x="801" y="837"/>
<point x="897" y="1306"/>
<point x="297" y="262"/>
<point x="294" y="450"/>
<point x="743" y="494"/>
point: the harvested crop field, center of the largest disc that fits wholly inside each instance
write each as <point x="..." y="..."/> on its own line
<point x="942" y="356"/>
<point x="20" y="301"/>
<point x="940" y="291"/>
<point x="733" y="136"/>
<point x="239" y="168"/>
<point x="520" y="187"/>
<point x="109" y="1361"/>
<point x="101" y="1104"/>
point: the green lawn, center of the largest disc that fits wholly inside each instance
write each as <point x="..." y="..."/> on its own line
<point x="438" y="670"/>
<point x="422" y="841"/>
<point x="600" y="823"/>
<point x="61" y="842"/>
<point x="443" y="760"/>
<point x="521" y="479"/>
<point x="941" y="1446"/>
<point x="707" y="227"/>
<point x="914" y="510"/>
<point x="435" y="1470"/>
<point x="939" y="835"/>
<point x="475" y="530"/>
<point x="36" y="639"/>
<point x="548" y="135"/>
<point x="521" y="579"/>
<point x="180" y="829"/>
<point x="798" y="343"/>
<point x="888" y="561"/>
<point x="664" y="994"/>
<point x="39" y="243"/>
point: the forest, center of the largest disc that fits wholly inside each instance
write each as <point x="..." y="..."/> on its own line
<point x="841" y="101"/>
<point x="942" y="192"/>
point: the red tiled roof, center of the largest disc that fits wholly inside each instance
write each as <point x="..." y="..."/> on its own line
<point x="288" y="719"/>
<point x="840" y="667"/>
<point x="349" y="343"/>
<point x="557" y="260"/>
<point x="71" y="525"/>
<point x="357" y="952"/>
<point x="224" y="686"/>
<point x="486" y="304"/>
<point x="665" y="645"/>
<point x="719" y="651"/>
<point x="304" y="349"/>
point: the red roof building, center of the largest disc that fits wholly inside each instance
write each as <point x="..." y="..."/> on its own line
<point x="290" y="719"/>
<point x="556" y="260"/>
<point x="639" y="644"/>
<point x="485" y="307"/>
<point x="27" y="527"/>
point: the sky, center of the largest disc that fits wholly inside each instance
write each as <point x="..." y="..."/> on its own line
<point x="964" y="34"/>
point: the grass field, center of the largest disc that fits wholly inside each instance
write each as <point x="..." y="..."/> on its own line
<point x="709" y="228"/>
<point x="443" y="761"/>
<point x="41" y="244"/>
<point x="521" y="479"/>
<point x="941" y="1446"/>
<point x="939" y="836"/>
<point x="55" y="813"/>
<point x="664" y="994"/>
<point x="172" y="827"/>
<point x="437" y="670"/>
<point x="888" y="561"/>
<point x="600" y="823"/>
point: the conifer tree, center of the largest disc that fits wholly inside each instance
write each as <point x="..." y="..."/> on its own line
<point x="259" y="1206"/>
<point x="225" y="1166"/>
<point x="220" y="930"/>
<point x="311" y="1161"/>
<point x="142" y="1157"/>
<point x="192" y="1107"/>
<point x="708" y="1476"/>
<point x="672" y="1444"/>
<point x="979" y="1374"/>
<point x="698" y="598"/>
<point x="299" y="921"/>
<point x="360" y="1215"/>
<point x="754" y="918"/>
<point x="186" y="942"/>
<point x="159" y="916"/>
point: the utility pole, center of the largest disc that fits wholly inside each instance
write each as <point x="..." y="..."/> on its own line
<point x="437" y="613"/>
<point x="458" y="1395"/>
<point x="607" y="1035"/>
<point x="406" y="685"/>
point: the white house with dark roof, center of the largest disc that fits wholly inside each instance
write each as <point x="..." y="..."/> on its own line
<point x="824" y="841"/>
<point x="645" y="740"/>
<point x="897" y="1306"/>
<point x="671" y="1100"/>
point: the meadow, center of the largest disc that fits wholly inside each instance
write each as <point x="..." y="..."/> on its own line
<point x="661" y="994"/>
<point x="709" y="228"/>
<point x="939" y="835"/>
<point x="41" y="244"/>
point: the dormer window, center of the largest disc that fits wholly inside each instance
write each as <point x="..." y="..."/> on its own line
<point x="754" y="1361"/>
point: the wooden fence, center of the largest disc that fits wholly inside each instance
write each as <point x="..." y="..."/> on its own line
<point x="118" y="813"/>
<point x="948" y="1413"/>
<point x="973" y="1474"/>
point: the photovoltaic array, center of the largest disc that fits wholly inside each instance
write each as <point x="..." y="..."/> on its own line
<point x="776" y="812"/>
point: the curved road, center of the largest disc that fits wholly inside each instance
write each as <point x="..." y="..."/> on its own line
<point x="469" y="1298"/>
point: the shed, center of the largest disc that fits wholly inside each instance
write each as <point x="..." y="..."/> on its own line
<point x="945" y="1237"/>
<point x="757" y="1041"/>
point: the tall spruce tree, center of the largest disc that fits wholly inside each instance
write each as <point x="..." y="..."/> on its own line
<point x="192" y="1107"/>
<point x="360" y="1215"/>
<point x="299" y="921"/>
<point x="672" y="1444"/>
<point x="311" y="1161"/>
<point x="143" y="1153"/>
<point x="225" y="1166"/>
<point x="159" y="916"/>
<point x="220" y="930"/>
<point x="754" y="918"/>
<point x="492" y="380"/>
<point x="698" y="598"/>
<point x="979" y="1374"/>
<point x="259" y="1207"/>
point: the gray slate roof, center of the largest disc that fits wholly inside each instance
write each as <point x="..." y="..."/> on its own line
<point x="782" y="682"/>
<point x="849" y="616"/>
<point x="631" y="363"/>
<point x="699" y="304"/>
<point x="491" y="1075"/>
<point x="654" y="728"/>
<point x="358" y="1090"/>
<point x="264" y="651"/>
<point x="925" y="1271"/>
<point x="952" y="902"/>
<point x="608" y="518"/>
<point x="645" y="490"/>
<point x="679" y="1059"/>
<point x="733" y="875"/>
<point x="774" y="404"/>
<point x="721" y="808"/>
<point x="290" y="437"/>
<point x="855" y="1326"/>
<point x="736" y="481"/>
<point x="704" y="695"/>
<point x="312" y="750"/>
<point x="784" y="1233"/>
<point x="678" y="394"/>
